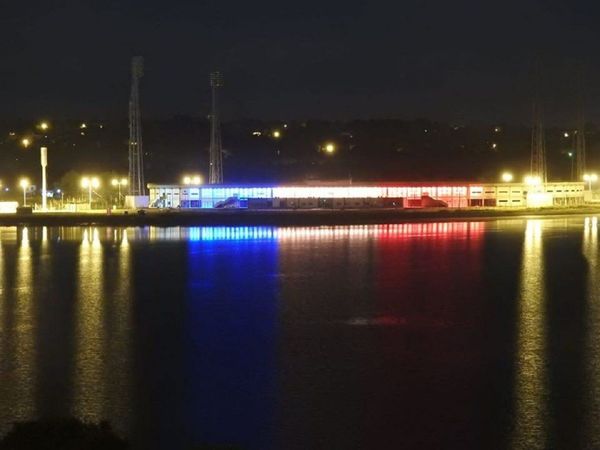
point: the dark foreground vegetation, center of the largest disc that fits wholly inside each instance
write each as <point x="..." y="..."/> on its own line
<point x="62" y="434"/>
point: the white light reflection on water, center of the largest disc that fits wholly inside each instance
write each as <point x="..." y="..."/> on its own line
<point x="24" y="343"/>
<point x="530" y="377"/>
<point x="590" y="252"/>
<point x="119" y="344"/>
<point x="89" y="329"/>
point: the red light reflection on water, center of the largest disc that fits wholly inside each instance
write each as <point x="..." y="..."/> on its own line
<point x="426" y="307"/>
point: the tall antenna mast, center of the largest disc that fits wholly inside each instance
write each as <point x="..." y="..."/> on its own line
<point x="136" y="158"/>
<point x="216" y="151"/>
<point x="580" y="132"/>
<point x="538" y="144"/>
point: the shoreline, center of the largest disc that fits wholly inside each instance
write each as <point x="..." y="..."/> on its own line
<point x="305" y="217"/>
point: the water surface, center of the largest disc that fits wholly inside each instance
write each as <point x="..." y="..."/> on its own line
<point x="433" y="335"/>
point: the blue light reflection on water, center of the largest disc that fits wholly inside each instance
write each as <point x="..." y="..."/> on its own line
<point x="230" y="233"/>
<point x="231" y="326"/>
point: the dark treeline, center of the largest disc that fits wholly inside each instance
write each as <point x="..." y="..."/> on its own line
<point x="365" y="150"/>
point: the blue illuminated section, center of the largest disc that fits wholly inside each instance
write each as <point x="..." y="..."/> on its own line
<point x="211" y="196"/>
<point x="231" y="334"/>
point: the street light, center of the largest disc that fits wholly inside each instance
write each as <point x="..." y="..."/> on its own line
<point x="329" y="148"/>
<point x="24" y="183"/>
<point x="118" y="183"/>
<point x="194" y="179"/>
<point x="44" y="164"/>
<point x="25" y="142"/>
<point x="44" y="126"/>
<point x="507" y="177"/>
<point x="276" y="134"/>
<point x="532" y="180"/>
<point x="89" y="184"/>
<point x="590" y="178"/>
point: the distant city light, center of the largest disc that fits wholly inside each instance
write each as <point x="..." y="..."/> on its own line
<point x="329" y="148"/>
<point x="507" y="177"/>
<point x="276" y="134"/>
<point x="494" y="145"/>
<point x="497" y="129"/>
<point x="256" y="133"/>
<point x="570" y="154"/>
<point x="44" y="126"/>
<point x="25" y="142"/>
<point x="566" y="134"/>
<point x="84" y="125"/>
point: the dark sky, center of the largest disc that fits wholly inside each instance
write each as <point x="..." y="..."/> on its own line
<point x="450" y="60"/>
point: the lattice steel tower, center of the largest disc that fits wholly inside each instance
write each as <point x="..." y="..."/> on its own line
<point x="580" y="134"/>
<point x="216" y="152"/>
<point x="538" y="144"/>
<point x="136" y="156"/>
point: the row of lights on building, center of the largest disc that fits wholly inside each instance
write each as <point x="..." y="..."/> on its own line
<point x="507" y="177"/>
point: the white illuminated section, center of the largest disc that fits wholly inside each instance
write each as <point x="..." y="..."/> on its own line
<point x="329" y="192"/>
<point x="530" y="391"/>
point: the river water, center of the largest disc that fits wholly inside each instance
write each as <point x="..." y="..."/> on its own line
<point x="422" y="335"/>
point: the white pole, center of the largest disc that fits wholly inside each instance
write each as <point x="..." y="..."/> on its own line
<point x="44" y="163"/>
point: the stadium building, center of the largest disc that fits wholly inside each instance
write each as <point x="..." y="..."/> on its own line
<point x="368" y="195"/>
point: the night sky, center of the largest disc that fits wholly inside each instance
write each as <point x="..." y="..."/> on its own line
<point x="459" y="61"/>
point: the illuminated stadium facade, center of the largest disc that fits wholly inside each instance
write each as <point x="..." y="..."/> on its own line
<point x="367" y="195"/>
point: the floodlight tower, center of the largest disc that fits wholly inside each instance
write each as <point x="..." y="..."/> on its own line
<point x="538" y="144"/>
<point x="136" y="157"/>
<point x="580" y="135"/>
<point x="216" y="152"/>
